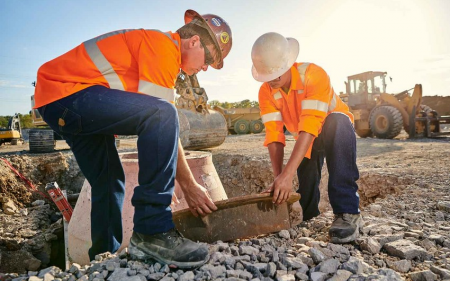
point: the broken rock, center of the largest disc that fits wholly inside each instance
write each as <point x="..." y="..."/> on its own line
<point x="444" y="206"/>
<point x="405" y="249"/>
<point x="8" y="206"/>
<point x="341" y="275"/>
<point x="444" y="273"/>
<point x="400" y="266"/>
<point x="371" y="245"/>
<point x="425" y="275"/>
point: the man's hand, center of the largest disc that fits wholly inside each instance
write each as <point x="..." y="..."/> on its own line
<point x="198" y="199"/>
<point x="281" y="188"/>
<point x="282" y="185"/>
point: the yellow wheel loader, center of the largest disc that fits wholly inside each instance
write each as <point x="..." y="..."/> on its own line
<point x="13" y="132"/>
<point x="383" y="115"/>
<point x="200" y="127"/>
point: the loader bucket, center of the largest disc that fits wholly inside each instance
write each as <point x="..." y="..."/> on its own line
<point x="201" y="130"/>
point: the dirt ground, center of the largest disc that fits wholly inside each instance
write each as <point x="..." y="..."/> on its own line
<point x="401" y="180"/>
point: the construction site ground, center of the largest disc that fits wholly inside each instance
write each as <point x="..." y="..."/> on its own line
<point x="404" y="189"/>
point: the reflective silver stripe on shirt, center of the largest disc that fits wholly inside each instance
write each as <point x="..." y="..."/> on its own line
<point x="101" y="62"/>
<point x="315" y="105"/>
<point x="103" y="65"/>
<point x="333" y="103"/>
<point x="154" y="90"/>
<point x="300" y="91"/>
<point x="274" y="116"/>
<point x="167" y="34"/>
<point x="109" y="34"/>
<point x="277" y="95"/>
<point x="302" y="70"/>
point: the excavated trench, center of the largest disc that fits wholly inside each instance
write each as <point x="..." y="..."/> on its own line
<point x="240" y="175"/>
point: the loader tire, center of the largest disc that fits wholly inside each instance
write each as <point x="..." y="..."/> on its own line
<point x="14" y="142"/>
<point x="41" y="140"/>
<point x="256" y="126"/>
<point x="242" y="127"/>
<point x="385" y="122"/>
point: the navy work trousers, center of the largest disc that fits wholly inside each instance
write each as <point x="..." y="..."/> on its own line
<point x="337" y="144"/>
<point x="88" y="121"/>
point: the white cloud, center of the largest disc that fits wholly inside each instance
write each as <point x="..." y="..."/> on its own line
<point x="10" y="84"/>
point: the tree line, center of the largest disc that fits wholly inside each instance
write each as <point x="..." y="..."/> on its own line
<point x="25" y="121"/>
<point x="239" y="104"/>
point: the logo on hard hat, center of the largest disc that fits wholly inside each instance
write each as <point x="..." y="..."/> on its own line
<point x="224" y="37"/>
<point x="216" y="21"/>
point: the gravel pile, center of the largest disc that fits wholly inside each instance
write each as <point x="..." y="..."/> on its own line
<point x="389" y="248"/>
<point x="27" y="235"/>
<point x="406" y="235"/>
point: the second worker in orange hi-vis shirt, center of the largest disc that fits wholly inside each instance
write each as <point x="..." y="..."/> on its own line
<point x="122" y="83"/>
<point x="300" y="97"/>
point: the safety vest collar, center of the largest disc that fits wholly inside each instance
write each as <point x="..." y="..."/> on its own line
<point x="296" y="83"/>
<point x="301" y="74"/>
<point x="177" y="38"/>
<point x="276" y="93"/>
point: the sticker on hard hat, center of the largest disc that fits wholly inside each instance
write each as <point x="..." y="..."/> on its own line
<point x="216" y="21"/>
<point x="224" y="37"/>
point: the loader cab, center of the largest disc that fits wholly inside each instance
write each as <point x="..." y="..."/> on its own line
<point x="363" y="89"/>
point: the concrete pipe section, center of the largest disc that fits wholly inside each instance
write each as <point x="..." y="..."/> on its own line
<point x="79" y="233"/>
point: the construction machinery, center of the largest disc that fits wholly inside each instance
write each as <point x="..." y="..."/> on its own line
<point x="383" y="115"/>
<point x="200" y="127"/>
<point x="242" y="120"/>
<point x="13" y="132"/>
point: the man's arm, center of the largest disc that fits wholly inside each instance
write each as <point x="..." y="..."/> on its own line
<point x="282" y="185"/>
<point x="197" y="197"/>
<point x="276" y="152"/>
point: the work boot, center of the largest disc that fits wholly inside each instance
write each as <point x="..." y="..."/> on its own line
<point x="169" y="248"/>
<point x="345" y="228"/>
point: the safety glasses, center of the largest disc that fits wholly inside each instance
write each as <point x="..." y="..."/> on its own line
<point x="208" y="57"/>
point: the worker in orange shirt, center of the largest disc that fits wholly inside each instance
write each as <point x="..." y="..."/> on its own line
<point x="300" y="97"/>
<point x="122" y="83"/>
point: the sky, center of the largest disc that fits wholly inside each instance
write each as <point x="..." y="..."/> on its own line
<point x="407" y="38"/>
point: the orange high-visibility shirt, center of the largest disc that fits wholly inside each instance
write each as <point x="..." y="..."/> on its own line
<point x="310" y="100"/>
<point x="133" y="60"/>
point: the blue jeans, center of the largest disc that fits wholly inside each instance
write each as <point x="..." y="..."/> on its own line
<point x="88" y="121"/>
<point x="336" y="143"/>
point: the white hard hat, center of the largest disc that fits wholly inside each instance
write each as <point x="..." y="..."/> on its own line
<point x="273" y="55"/>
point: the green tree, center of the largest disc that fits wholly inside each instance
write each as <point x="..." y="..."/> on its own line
<point x="240" y="104"/>
<point x="214" y="103"/>
<point x="243" y="104"/>
<point x="227" y="105"/>
<point x="26" y="121"/>
<point x="3" y="121"/>
<point x="254" y="104"/>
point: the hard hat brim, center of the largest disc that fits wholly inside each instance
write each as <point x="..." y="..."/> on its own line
<point x="189" y="15"/>
<point x="294" y="49"/>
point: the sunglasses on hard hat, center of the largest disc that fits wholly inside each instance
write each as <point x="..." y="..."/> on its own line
<point x="208" y="57"/>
